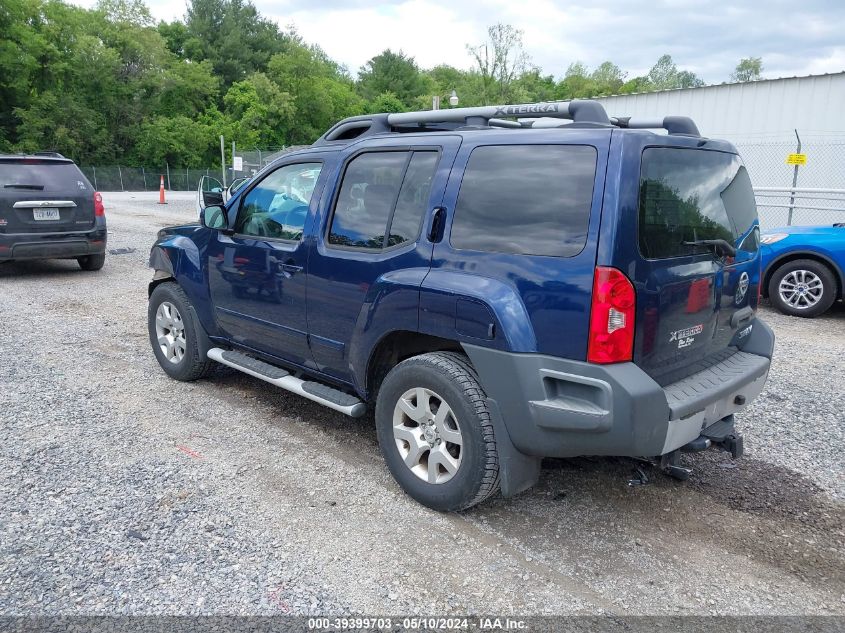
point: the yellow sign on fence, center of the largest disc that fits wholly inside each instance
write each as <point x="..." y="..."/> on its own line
<point x="796" y="159"/>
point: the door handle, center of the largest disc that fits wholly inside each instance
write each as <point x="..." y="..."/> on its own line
<point x="438" y="223"/>
<point x="290" y="267"/>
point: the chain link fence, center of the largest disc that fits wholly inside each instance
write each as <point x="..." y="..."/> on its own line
<point x="122" y="178"/>
<point x="810" y="193"/>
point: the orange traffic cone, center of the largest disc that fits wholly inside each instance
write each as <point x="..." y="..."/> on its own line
<point x="161" y="192"/>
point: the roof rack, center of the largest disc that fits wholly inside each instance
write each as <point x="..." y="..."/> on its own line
<point x="580" y="111"/>
<point x="49" y="153"/>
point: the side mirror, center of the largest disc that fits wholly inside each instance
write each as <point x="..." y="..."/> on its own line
<point x="214" y="217"/>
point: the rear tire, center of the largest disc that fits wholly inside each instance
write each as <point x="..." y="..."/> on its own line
<point x="803" y="288"/>
<point x="92" y="262"/>
<point x="448" y="461"/>
<point x="175" y="334"/>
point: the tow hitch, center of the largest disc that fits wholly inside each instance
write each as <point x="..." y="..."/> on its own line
<point x="721" y="435"/>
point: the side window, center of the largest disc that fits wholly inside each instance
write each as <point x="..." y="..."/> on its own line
<point x="381" y="190"/>
<point x="526" y="199"/>
<point x="277" y="207"/>
<point x="413" y="199"/>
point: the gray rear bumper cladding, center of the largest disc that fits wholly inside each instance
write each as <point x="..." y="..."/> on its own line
<point x="555" y="407"/>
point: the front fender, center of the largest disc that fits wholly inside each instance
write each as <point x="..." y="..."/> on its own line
<point x="179" y="256"/>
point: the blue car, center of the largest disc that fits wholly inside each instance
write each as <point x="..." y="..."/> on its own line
<point x="803" y="268"/>
<point x="493" y="292"/>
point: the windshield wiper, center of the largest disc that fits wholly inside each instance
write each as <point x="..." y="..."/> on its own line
<point x="720" y="247"/>
<point x="21" y="186"/>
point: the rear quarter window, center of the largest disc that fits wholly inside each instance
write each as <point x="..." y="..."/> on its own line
<point x="688" y="195"/>
<point x="526" y="199"/>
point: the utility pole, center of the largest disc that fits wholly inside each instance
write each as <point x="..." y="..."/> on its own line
<point x="223" y="159"/>
<point x="233" y="161"/>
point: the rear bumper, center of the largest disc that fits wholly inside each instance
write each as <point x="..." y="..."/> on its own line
<point x="54" y="245"/>
<point x="555" y="407"/>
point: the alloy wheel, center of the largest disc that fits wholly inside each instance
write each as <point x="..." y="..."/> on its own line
<point x="427" y="435"/>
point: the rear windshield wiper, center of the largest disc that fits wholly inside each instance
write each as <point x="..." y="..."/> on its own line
<point x="720" y="247"/>
<point x="21" y="186"/>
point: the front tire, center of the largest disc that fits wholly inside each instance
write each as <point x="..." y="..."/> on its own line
<point x="435" y="431"/>
<point x="92" y="262"/>
<point x="175" y="334"/>
<point x="803" y="288"/>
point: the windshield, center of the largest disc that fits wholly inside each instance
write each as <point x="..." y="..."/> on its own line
<point x="691" y="195"/>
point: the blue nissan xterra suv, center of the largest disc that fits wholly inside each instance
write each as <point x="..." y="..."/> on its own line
<point x="499" y="284"/>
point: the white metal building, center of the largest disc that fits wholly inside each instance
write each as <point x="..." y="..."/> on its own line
<point x="770" y="108"/>
<point x="760" y="118"/>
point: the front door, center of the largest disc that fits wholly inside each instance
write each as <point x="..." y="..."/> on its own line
<point x="373" y="232"/>
<point x="257" y="275"/>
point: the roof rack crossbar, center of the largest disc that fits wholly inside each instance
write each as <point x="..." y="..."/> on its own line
<point x="672" y="124"/>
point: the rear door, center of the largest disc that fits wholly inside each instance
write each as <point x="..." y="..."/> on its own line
<point x="44" y="195"/>
<point x="372" y="231"/>
<point x="696" y="267"/>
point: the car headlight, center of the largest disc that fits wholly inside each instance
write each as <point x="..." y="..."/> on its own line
<point x="771" y="238"/>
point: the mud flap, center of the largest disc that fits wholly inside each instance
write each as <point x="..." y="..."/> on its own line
<point x="517" y="471"/>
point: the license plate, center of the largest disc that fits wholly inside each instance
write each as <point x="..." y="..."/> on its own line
<point x="45" y="214"/>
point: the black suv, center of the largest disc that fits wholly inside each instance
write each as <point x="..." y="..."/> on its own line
<point x="49" y="210"/>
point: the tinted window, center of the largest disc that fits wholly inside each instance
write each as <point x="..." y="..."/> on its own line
<point x="367" y="196"/>
<point x="277" y="206"/>
<point x="42" y="175"/>
<point x="528" y="199"/>
<point x="688" y="195"/>
<point x="413" y="198"/>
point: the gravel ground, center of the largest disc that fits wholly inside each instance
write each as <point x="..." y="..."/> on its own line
<point x="122" y="491"/>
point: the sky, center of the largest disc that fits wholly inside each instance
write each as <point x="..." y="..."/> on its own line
<point x="793" y="38"/>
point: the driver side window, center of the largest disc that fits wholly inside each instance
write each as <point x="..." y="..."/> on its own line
<point x="277" y="207"/>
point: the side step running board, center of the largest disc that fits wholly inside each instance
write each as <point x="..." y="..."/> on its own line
<point x="318" y="392"/>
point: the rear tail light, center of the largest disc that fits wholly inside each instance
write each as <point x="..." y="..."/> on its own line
<point x="99" y="209"/>
<point x="611" y="317"/>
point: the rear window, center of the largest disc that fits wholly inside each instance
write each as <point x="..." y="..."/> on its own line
<point x="688" y="195"/>
<point x="42" y="175"/>
<point x="526" y="199"/>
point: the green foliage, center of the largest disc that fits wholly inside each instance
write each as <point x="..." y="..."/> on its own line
<point x="748" y="69"/>
<point x="386" y="102"/>
<point x="233" y="36"/>
<point x="109" y="85"/>
<point x="500" y="61"/>
<point x="664" y="75"/>
<point x="394" y="73"/>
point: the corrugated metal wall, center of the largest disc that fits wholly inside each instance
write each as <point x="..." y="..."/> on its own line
<point x="773" y="108"/>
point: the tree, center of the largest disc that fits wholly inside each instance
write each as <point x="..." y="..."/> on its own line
<point x="233" y="36"/>
<point x="386" y="102"/>
<point x="259" y="112"/>
<point x="608" y="78"/>
<point x="321" y="92"/>
<point x="664" y="75"/>
<point x="500" y="61"/>
<point x="391" y="72"/>
<point x="748" y="69"/>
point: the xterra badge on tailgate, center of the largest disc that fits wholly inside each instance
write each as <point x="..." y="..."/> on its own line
<point x="686" y="337"/>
